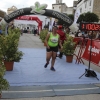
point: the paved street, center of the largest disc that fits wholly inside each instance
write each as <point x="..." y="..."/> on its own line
<point x="67" y="92"/>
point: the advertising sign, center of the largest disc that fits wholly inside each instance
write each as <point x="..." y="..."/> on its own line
<point x="95" y="52"/>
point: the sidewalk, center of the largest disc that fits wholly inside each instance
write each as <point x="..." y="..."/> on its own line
<point x="70" y="92"/>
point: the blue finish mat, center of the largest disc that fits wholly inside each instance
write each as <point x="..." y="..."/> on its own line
<point x="30" y="71"/>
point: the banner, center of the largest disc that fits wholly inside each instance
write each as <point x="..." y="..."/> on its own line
<point x="95" y="52"/>
<point x="38" y="9"/>
<point x="51" y="23"/>
<point x="77" y="39"/>
<point x="76" y="16"/>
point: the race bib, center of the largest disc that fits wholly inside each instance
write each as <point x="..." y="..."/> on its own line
<point x="54" y="40"/>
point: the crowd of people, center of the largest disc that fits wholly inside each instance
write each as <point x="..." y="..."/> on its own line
<point x="33" y="31"/>
<point x="88" y="34"/>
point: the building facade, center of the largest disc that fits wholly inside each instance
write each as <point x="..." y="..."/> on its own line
<point x="96" y="7"/>
<point x="62" y="7"/>
<point x="74" y="6"/>
<point x="11" y="9"/>
<point x="59" y="6"/>
<point x="84" y="6"/>
<point x="2" y="14"/>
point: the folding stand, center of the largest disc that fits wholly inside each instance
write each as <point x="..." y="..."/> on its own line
<point x="89" y="72"/>
<point x="78" y="57"/>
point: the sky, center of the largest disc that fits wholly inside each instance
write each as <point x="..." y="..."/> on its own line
<point x="5" y="4"/>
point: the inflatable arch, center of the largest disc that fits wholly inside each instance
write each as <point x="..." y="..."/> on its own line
<point x="41" y="10"/>
<point x="31" y="18"/>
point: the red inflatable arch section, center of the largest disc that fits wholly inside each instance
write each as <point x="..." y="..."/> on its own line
<point x="31" y="18"/>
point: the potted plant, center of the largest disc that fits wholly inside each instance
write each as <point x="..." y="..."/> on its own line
<point x="69" y="48"/>
<point x="43" y="35"/>
<point x="9" y="49"/>
<point x="4" y="84"/>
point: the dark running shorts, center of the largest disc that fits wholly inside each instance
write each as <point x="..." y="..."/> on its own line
<point x="52" y="49"/>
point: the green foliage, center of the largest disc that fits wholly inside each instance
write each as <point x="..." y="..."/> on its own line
<point x="3" y="27"/>
<point x="71" y="16"/>
<point x="60" y="22"/>
<point x="15" y="31"/>
<point x="88" y="17"/>
<point x="91" y="17"/>
<point x="69" y="45"/>
<point x="9" y="46"/>
<point x="4" y="84"/>
<point x="43" y="34"/>
<point x="81" y="18"/>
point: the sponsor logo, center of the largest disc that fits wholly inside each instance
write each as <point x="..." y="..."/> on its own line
<point x="14" y="14"/>
<point x="38" y="8"/>
<point x="24" y="18"/>
<point x="94" y="49"/>
<point x="62" y="17"/>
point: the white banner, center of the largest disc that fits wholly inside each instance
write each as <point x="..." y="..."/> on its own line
<point x="76" y="16"/>
<point x="51" y="23"/>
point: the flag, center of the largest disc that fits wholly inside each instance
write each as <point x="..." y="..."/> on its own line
<point x="76" y="16"/>
<point x="51" y="23"/>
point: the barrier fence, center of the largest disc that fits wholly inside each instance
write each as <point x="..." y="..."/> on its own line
<point x="85" y="54"/>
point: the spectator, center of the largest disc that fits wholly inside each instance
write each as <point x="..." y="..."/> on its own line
<point x="0" y="30"/>
<point x="25" y="30"/>
<point x="35" y="32"/>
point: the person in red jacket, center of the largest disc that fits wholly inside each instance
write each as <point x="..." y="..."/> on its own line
<point x="62" y="38"/>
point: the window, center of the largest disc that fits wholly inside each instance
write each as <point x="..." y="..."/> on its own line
<point x="80" y="10"/>
<point x="57" y="1"/>
<point x="59" y="7"/>
<point x="90" y="2"/>
<point x="85" y="5"/>
<point x="53" y="7"/>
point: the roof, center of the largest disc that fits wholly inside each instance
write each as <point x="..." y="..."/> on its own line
<point x="79" y="1"/>
<point x="60" y="4"/>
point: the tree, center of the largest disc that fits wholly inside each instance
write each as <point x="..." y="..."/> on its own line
<point x="81" y="18"/>
<point x="71" y="16"/>
<point x="88" y="17"/>
<point x="60" y="22"/>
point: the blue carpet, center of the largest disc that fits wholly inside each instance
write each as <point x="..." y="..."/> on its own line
<point x="30" y="71"/>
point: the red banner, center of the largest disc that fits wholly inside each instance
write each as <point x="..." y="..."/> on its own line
<point x="95" y="52"/>
<point x="77" y="39"/>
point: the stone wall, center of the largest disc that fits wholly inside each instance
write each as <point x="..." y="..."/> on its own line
<point x="96" y="7"/>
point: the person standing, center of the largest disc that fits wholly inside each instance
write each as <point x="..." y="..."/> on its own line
<point x="35" y="32"/>
<point x="52" y="40"/>
<point x="62" y="38"/>
<point x="32" y="30"/>
<point x="0" y="30"/>
<point x="21" y="31"/>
